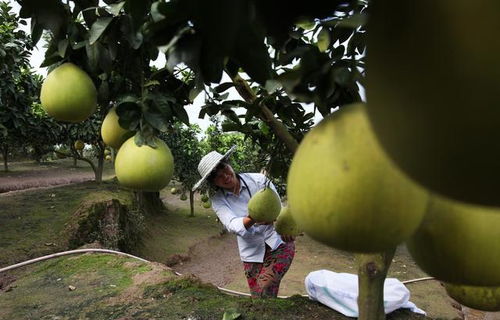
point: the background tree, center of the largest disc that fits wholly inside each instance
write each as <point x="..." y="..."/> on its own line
<point x="19" y="86"/>
<point x="186" y="149"/>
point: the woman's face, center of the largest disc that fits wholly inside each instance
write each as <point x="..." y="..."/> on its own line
<point x="224" y="177"/>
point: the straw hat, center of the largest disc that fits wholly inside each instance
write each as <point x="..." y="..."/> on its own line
<point x="208" y="163"/>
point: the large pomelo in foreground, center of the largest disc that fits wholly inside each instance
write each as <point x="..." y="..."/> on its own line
<point x="480" y="298"/>
<point x="264" y="206"/>
<point x="343" y="190"/>
<point x="459" y="243"/>
<point x="432" y="90"/>
<point x="68" y="94"/>
<point x="112" y="133"/>
<point x="285" y="224"/>
<point x="144" y="168"/>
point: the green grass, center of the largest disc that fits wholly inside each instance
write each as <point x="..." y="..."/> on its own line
<point x="107" y="288"/>
<point x="33" y="222"/>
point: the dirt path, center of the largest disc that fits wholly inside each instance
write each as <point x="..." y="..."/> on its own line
<point x="215" y="260"/>
<point x="31" y="175"/>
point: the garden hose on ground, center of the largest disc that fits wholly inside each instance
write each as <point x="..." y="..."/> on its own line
<point x="59" y="254"/>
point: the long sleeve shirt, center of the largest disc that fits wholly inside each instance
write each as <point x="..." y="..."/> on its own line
<point x="232" y="208"/>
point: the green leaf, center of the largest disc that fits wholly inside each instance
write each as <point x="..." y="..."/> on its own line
<point x="98" y="28"/>
<point x="155" y="120"/>
<point x="138" y="10"/>
<point x="115" y="8"/>
<point x="338" y="52"/>
<point x="181" y="113"/>
<point x="152" y="83"/>
<point x="255" y="61"/>
<point x="223" y="87"/>
<point x="231" y="315"/>
<point x="272" y="85"/>
<point x="342" y="76"/>
<point x="306" y="24"/>
<point x="62" y="46"/>
<point x="93" y="55"/>
<point x="230" y="114"/>
<point x="323" y="40"/>
<point x="228" y="126"/>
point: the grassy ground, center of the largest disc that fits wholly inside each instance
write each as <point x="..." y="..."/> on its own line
<point x="32" y="225"/>
<point x="33" y="222"/>
<point x="96" y="286"/>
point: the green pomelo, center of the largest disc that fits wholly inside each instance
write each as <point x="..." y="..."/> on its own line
<point x="432" y="92"/>
<point x="480" y="298"/>
<point x="79" y="145"/>
<point x="183" y="197"/>
<point x="285" y="224"/>
<point x="144" y="168"/>
<point x="459" y="243"/>
<point x="343" y="191"/>
<point x="204" y="198"/>
<point x="68" y="94"/>
<point x="112" y="133"/>
<point x="264" y="206"/>
<point x="207" y="205"/>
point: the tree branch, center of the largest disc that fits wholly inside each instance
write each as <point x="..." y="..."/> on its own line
<point x="265" y="114"/>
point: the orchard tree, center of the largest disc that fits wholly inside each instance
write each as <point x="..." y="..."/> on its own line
<point x="44" y="133"/>
<point x="110" y="45"/>
<point x="19" y="86"/>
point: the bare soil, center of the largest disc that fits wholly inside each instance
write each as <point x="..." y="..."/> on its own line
<point x="32" y="175"/>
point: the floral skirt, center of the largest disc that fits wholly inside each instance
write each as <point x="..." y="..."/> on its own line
<point x="264" y="278"/>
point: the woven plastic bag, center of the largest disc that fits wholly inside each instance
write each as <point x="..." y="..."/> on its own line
<point x="339" y="291"/>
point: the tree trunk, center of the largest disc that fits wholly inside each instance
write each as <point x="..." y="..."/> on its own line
<point x="372" y="271"/>
<point x="191" y="202"/>
<point x="150" y="202"/>
<point x="74" y="162"/>
<point x="5" y="154"/>
<point x="100" y="163"/>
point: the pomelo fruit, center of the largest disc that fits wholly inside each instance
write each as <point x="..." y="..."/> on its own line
<point x="204" y="198"/>
<point x="79" y="145"/>
<point x="432" y="93"/>
<point x="343" y="190"/>
<point x="144" y="168"/>
<point x="480" y="298"/>
<point x="183" y="197"/>
<point x="206" y="204"/>
<point x="264" y="205"/>
<point x="285" y="224"/>
<point x="458" y="243"/>
<point x="112" y="133"/>
<point x="68" y="94"/>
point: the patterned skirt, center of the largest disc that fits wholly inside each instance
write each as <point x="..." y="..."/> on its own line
<point x="264" y="278"/>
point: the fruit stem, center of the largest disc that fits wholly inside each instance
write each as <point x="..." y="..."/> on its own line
<point x="372" y="271"/>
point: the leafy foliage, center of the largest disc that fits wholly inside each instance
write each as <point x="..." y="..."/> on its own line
<point x="19" y="86"/>
<point x="313" y="53"/>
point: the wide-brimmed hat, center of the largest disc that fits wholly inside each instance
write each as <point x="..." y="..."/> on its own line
<point x="208" y="163"/>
